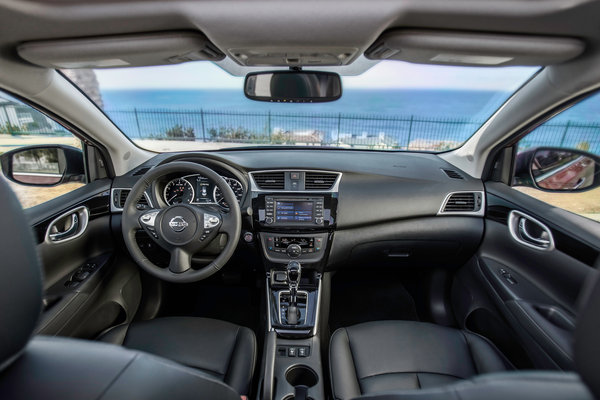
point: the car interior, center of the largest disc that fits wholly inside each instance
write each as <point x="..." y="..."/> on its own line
<point x="282" y="271"/>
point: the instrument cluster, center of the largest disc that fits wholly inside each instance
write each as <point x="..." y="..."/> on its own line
<point x="197" y="189"/>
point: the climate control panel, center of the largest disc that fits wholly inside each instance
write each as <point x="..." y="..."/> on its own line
<point x="280" y="247"/>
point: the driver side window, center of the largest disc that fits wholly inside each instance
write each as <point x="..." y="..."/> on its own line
<point x="558" y="161"/>
<point x="41" y="160"/>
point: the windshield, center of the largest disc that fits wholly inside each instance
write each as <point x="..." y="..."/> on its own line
<point x="391" y="106"/>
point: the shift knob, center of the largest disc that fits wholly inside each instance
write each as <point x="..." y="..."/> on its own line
<point x="293" y="273"/>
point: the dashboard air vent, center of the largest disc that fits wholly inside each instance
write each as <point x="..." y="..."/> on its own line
<point x="120" y="196"/>
<point x="270" y="180"/>
<point x="452" y="174"/>
<point x="319" y="180"/>
<point x="463" y="202"/>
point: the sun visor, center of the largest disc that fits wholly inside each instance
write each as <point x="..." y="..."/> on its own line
<point x="161" y="48"/>
<point x="474" y="49"/>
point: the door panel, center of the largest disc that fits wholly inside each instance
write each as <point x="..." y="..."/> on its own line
<point x="535" y="288"/>
<point x="89" y="284"/>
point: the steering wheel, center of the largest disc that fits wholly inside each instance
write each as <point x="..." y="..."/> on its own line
<point x="181" y="229"/>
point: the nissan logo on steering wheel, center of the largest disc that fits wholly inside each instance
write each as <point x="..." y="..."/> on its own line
<point x="178" y="224"/>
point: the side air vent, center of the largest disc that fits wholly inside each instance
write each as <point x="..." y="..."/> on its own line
<point x="319" y="180"/>
<point x="270" y="180"/>
<point x="141" y="171"/>
<point x="119" y="197"/>
<point x="463" y="202"/>
<point x="452" y="174"/>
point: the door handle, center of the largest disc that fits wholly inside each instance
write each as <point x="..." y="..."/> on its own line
<point x="518" y="225"/>
<point x="68" y="226"/>
<point x="74" y="227"/>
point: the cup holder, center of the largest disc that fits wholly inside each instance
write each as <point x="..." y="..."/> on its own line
<point x="301" y="375"/>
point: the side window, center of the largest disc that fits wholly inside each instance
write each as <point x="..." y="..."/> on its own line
<point x="559" y="162"/>
<point x="41" y="160"/>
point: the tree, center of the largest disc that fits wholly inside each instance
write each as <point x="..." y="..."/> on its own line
<point x="180" y="133"/>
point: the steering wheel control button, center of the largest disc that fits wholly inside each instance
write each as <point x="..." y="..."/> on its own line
<point x="149" y="219"/>
<point x="294" y="250"/>
<point x="211" y="221"/>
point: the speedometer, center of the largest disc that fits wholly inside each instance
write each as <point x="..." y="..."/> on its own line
<point x="237" y="188"/>
<point x="178" y="191"/>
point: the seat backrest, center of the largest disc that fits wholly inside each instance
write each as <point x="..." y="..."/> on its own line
<point x="20" y="278"/>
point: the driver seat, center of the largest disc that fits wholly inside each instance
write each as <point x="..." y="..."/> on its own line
<point x="61" y="368"/>
<point x="220" y="349"/>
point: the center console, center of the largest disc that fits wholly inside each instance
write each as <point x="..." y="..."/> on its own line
<point x="294" y="216"/>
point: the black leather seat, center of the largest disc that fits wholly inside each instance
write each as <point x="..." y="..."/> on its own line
<point x="388" y="360"/>
<point x="381" y="356"/>
<point x="223" y="350"/>
<point x="58" y="368"/>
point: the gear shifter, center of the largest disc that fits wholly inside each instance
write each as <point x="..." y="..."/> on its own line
<point x="293" y="277"/>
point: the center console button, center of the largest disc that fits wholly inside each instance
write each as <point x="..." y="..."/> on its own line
<point x="294" y="250"/>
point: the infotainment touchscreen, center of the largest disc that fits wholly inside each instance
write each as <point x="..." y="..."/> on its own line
<point x="294" y="211"/>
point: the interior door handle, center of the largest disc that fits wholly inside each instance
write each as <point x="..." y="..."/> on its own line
<point x="74" y="227"/>
<point x="68" y="226"/>
<point x="520" y="231"/>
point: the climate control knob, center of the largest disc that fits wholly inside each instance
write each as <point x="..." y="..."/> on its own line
<point x="294" y="250"/>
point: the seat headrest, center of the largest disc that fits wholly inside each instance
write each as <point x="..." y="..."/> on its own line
<point x="20" y="278"/>
<point x="587" y="337"/>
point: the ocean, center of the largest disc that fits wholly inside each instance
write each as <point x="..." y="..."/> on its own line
<point x="388" y="118"/>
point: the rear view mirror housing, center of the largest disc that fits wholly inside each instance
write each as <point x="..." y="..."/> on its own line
<point x="293" y="86"/>
<point x="44" y="165"/>
<point x="554" y="169"/>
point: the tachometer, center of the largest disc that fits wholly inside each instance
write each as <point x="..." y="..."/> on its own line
<point x="237" y="188"/>
<point x="178" y="191"/>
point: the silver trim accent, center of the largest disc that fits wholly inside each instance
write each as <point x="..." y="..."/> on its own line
<point x="84" y="218"/>
<point x="480" y="212"/>
<point x="114" y="208"/>
<point x="211" y="220"/>
<point x="318" y="310"/>
<point x="149" y="218"/>
<point x="516" y="229"/>
<point x="268" y="287"/>
<point x="334" y="188"/>
<point x="298" y="293"/>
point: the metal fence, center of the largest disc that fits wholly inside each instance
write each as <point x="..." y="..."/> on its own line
<point x="324" y="129"/>
<point x="333" y="129"/>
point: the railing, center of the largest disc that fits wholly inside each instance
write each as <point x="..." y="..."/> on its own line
<point x="333" y="129"/>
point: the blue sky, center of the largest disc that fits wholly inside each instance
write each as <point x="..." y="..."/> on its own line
<point x="384" y="75"/>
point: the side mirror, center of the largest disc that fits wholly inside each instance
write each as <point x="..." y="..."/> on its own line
<point x="45" y="165"/>
<point x="557" y="170"/>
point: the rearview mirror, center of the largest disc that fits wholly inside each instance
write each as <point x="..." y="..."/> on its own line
<point x="293" y="86"/>
<point x="43" y="165"/>
<point x="557" y="170"/>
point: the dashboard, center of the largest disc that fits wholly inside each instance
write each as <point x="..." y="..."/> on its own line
<point x="332" y="209"/>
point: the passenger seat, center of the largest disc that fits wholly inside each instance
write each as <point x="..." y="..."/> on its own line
<point x="384" y="356"/>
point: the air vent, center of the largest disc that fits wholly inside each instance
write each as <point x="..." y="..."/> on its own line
<point x="120" y="196"/>
<point x="270" y="180"/>
<point x="452" y="174"/>
<point x="319" y="180"/>
<point x="123" y="197"/>
<point x="463" y="202"/>
<point x="141" y="171"/>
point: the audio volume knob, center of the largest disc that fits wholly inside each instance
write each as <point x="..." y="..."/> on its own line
<point x="318" y="221"/>
<point x="269" y="220"/>
<point x="294" y="250"/>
